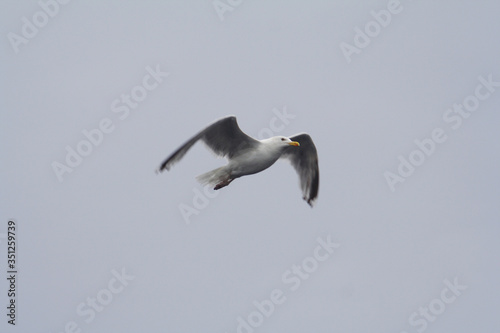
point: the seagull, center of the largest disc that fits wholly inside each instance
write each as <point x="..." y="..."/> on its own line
<point x="247" y="156"/>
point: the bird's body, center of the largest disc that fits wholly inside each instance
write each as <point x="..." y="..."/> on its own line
<point x="255" y="160"/>
<point x="248" y="156"/>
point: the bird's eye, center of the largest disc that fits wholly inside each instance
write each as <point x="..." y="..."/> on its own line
<point x="282" y="139"/>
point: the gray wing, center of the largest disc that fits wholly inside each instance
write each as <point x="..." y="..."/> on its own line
<point x="304" y="159"/>
<point x="224" y="137"/>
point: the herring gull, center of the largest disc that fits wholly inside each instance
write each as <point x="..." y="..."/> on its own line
<point x="247" y="155"/>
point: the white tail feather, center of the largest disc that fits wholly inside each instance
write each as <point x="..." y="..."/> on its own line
<point x="213" y="177"/>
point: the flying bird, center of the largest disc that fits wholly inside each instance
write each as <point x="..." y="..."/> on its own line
<point x="247" y="155"/>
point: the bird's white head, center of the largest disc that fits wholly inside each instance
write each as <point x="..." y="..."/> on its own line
<point x="281" y="141"/>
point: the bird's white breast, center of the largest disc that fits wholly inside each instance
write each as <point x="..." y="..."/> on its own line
<point x="254" y="160"/>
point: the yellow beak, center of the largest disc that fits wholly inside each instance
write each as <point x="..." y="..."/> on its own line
<point x="294" y="143"/>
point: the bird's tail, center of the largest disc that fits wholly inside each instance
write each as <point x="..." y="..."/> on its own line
<point x="213" y="177"/>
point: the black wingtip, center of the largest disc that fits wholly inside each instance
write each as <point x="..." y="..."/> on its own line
<point x="310" y="201"/>
<point x="161" y="169"/>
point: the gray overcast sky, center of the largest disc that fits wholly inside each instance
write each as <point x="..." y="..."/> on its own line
<point x="402" y="101"/>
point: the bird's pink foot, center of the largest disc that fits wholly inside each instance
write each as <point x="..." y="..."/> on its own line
<point x="223" y="184"/>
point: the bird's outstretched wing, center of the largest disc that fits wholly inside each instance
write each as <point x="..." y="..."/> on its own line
<point x="305" y="161"/>
<point x="224" y="137"/>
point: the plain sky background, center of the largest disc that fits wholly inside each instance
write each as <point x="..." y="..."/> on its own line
<point x="113" y="212"/>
